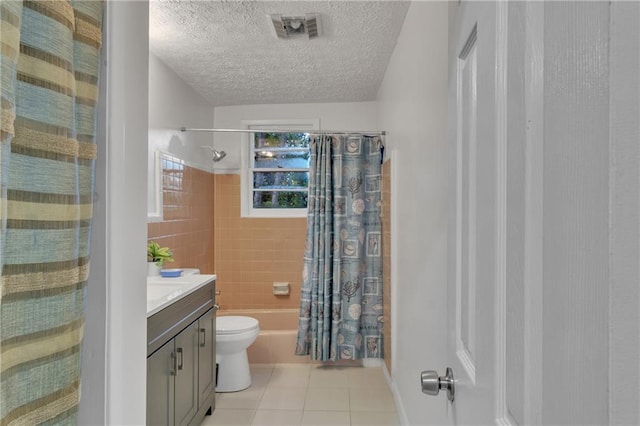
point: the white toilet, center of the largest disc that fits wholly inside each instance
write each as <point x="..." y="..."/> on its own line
<point x="234" y="334"/>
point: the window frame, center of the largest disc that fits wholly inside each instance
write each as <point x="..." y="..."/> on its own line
<point x="246" y="175"/>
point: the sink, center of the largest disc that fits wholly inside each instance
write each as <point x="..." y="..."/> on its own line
<point x="155" y="292"/>
<point x="163" y="291"/>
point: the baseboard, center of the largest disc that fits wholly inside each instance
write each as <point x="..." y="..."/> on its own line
<point x="402" y="414"/>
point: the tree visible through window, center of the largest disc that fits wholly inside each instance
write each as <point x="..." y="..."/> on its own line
<point x="280" y="170"/>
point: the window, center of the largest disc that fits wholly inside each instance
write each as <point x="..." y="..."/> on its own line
<point x="276" y="168"/>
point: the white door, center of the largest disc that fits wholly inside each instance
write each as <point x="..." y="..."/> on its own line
<point x="544" y="235"/>
<point x="473" y="212"/>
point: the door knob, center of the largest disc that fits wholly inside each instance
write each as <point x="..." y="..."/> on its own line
<point x="432" y="384"/>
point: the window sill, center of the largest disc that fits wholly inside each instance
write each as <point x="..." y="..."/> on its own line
<point x="275" y="213"/>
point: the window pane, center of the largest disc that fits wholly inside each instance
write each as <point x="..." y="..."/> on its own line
<point x="265" y="159"/>
<point x="281" y="180"/>
<point x="279" y="200"/>
<point x="284" y="140"/>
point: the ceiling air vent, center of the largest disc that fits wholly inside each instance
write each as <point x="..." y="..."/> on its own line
<point x="296" y="26"/>
<point x="312" y="25"/>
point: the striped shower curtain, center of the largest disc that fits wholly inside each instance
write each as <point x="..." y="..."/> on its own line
<point x="341" y="298"/>
<point x="50" y="57"/>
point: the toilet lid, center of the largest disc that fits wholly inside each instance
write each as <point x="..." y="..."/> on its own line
<point x="233" y="324"/>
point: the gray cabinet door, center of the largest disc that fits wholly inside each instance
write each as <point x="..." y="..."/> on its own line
<point x="186" y="379"/>
<point x="160" y="386"/>
<point x="207" y="354"/>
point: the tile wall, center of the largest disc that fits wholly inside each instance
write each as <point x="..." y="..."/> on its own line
<point x="386" y="260"/>
<point x="187" y="225"/>
<point x="253" y="253"/>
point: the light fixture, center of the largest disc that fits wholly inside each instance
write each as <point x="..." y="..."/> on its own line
<point x="293" y="26"/>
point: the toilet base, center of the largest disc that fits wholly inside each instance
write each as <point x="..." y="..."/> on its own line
<point x="233" y="372"/>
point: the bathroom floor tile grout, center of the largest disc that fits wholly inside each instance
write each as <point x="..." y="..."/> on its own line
<point x="370" y="382"/>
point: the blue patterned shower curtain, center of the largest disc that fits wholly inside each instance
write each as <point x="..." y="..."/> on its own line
<point x="341" y="300"/>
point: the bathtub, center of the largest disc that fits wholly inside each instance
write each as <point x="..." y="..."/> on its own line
<point x="276" y="342"/>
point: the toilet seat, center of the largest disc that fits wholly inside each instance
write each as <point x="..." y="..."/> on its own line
<point x="235" y="324"/>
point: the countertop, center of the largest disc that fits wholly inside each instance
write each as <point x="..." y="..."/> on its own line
<point x="161" y="292"/>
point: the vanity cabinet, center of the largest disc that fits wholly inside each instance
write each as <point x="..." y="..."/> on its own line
<point x="172" y="380"/>
<point x="160" y="386"/>
<point x="180" y="360"/>
<point x="206" y="354"/>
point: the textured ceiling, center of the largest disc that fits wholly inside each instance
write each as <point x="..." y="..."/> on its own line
<point x="228" y="52"/>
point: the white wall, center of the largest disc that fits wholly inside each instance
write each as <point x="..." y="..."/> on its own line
<point x="332" y="116"/>
<point x="174" y="104"/>
<point x="412" y="109"/>
<point x="94" y="370"/>
<point x="126" y="225"/>
<point x="114" y="349"/>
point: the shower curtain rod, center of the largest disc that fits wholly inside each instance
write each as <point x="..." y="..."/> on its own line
<point x="334" y="132"/>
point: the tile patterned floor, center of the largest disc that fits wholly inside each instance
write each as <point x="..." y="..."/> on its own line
<point x="308" y="395"/>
